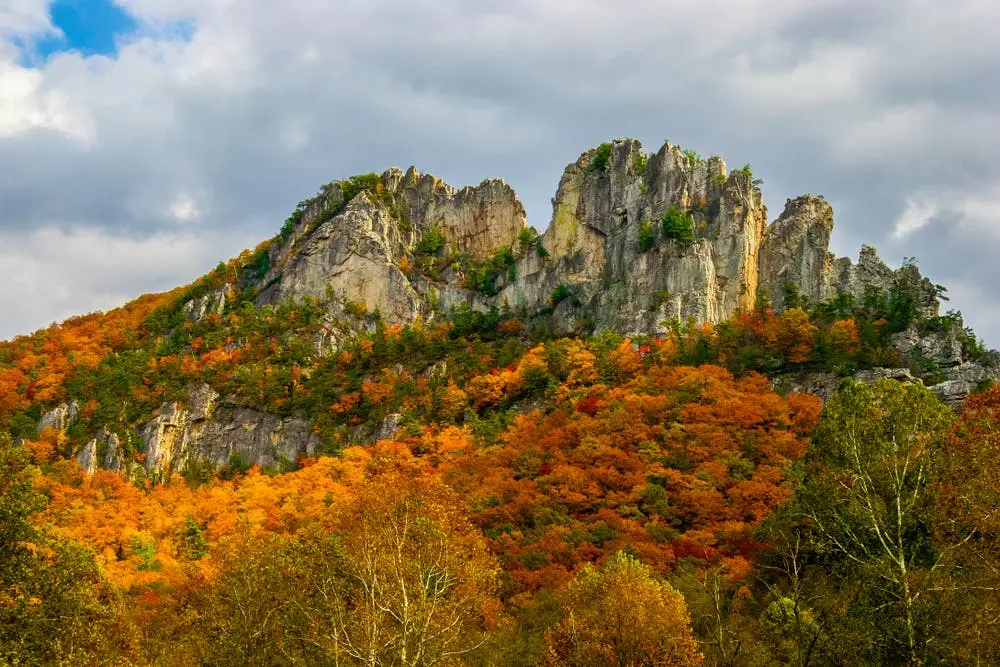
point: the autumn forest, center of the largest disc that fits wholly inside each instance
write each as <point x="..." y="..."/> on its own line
<point x="596" y="500"/>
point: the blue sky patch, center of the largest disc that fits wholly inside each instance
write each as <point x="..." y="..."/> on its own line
<point x="89" y="26"/>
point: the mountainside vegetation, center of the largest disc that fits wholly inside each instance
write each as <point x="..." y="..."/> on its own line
<point x="484" y="490"/>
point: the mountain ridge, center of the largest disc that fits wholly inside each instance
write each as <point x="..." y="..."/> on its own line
<point x="639" y="245"/>
<point x="606" y="200"/>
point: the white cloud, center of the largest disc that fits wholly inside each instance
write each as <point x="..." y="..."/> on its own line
<point x="974" y="213"/>
<point x="917" y="215"/>
<point x="184" y="208"/>
<point x="24" y="17"/>
<point x="25" y="105"/>
<point x="981" y="211"/>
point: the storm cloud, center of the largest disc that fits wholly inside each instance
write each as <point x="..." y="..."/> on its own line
<point x="139" y="170"/>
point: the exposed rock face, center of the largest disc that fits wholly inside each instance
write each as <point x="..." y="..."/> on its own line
<point x="943" y="349"/>
<point x="591" y="245"/>
<point x="849" y="278"/>
<point x="203" y="429"/>
<point x="593" y="242"/>
<point x="60" y="417"/>
<point x="212" y="303"/>
<point x="606" y="201"/>
<point x="389" y="427"/>
<point x="956" y="376"/>
<point x="795" y="254"/>
<point x="358" y="254"/>
<point x="873" y="375"/>
<point x="794" y="251"/>
<point x="824" y="385"/>
<point x="87" y="457"/>
<point x="475" y="220"/>
<point x="102" y="451"/>
<point x="964" y="379"/>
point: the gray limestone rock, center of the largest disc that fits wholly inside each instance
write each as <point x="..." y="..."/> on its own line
<point x="873" y="375"/>
<point x="871" y="273"/>
<point x="592" y="244"/>
<point x="965" y="378"/>
<point x="824" y="385"/>
<point x="818" y="384"/>
<point x="362" y="252"/>
<point x="389" y="427"/>
<point x="355" y="256"/>
<point x="213" y="303"/>
<point x="87" y="457"/>
<point x="101" y="451"/>
<point x="943" y="348"/>
<point x="474" y="220"/>
<point x="795" y="252"/>
<point x="60" y="417"/>
<point x="205" y="428"/>
<point x="358" y="254"/>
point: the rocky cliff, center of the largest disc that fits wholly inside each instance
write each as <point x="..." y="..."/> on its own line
<point x="360" y="253"/>
<point x="795" y="258"/>
<point x="201" y="430"/>
<point x="407" y="245"/>
<point x="608" y="245"/>
<point x="635" y="240"/>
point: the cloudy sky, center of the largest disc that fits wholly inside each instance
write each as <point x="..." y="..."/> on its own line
<point x="141" y="141"/>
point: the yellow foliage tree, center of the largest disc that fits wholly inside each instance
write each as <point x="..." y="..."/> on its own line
<point x="424" y="584"/>
<point x="620" y="614"/>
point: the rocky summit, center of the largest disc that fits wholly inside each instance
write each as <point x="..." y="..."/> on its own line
<point x="406" y="247"/>
<point x="637" y="244"/>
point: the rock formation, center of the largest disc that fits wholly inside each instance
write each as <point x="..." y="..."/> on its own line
<point x="593" y="242"/>
<point x="635" y="240"/>
<point x="605" y="246"/>
<point x="206" y="429"/>
<point x="357" y="254"/>
<point x="60" y="417"/>
<point x="794" y="251"/>
<point x="203" y="429"/>
<point x="794" y="256"/>
<point x="592" y="246"/>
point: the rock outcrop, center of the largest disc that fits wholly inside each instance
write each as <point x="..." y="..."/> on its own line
<point x="102" y="451"/>
<point x="794" y="253"/>
<point x="965" y="378"/>
<point x="795" y="258"/>
<point x="212" y="303"/>
<point x="619" y="283"/>
<point x="60" y="417"/>
<point x="358" y="254"/>
<point x="206" y="429"/>
<point x="355" y="255"/>
<point x="474" y="220"/>
<point x="363" y="253"/>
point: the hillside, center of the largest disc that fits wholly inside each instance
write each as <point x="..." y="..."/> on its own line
<point x="640" y="388"/>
